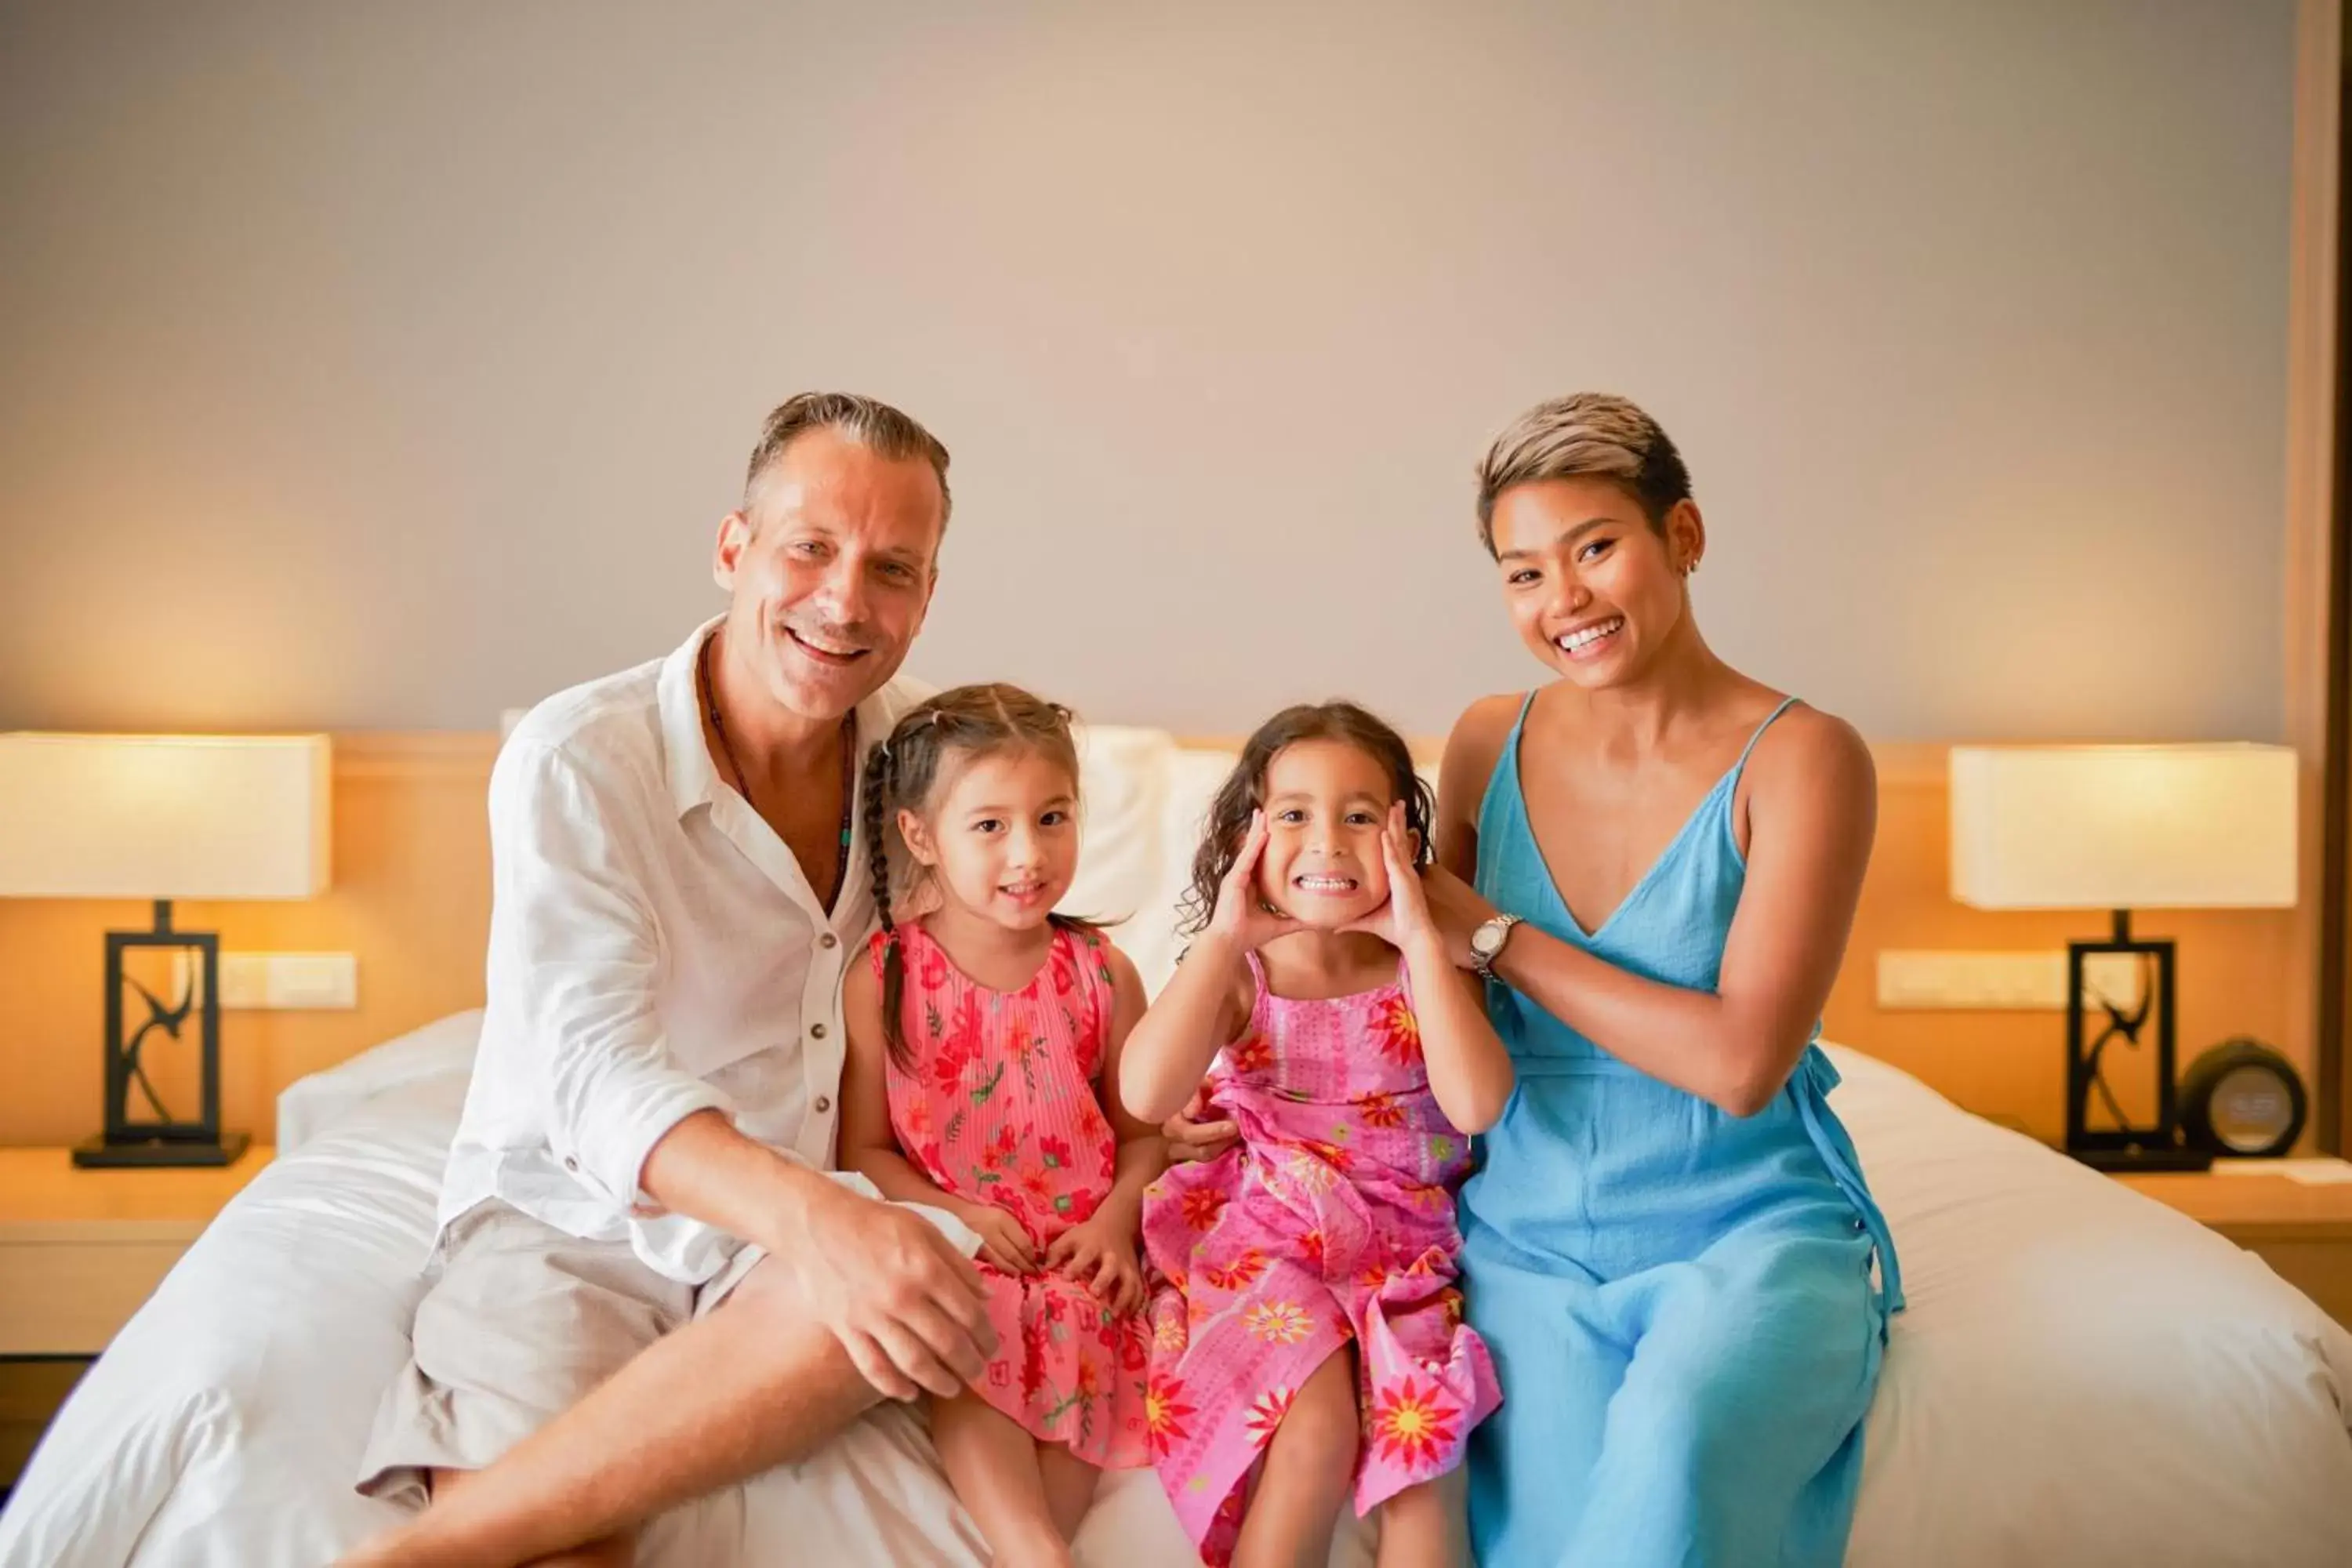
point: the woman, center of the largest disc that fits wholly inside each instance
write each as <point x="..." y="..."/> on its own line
<point x="1654" y="861"/>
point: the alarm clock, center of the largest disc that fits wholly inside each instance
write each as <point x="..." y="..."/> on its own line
<point x="2242" y="1098"/>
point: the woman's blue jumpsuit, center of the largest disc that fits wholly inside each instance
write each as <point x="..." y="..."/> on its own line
<point x="1679" y="1301"/>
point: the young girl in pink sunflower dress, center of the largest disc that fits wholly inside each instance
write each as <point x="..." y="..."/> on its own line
<point x="1308" y="1342"/>
<point x="981" y="1036"/>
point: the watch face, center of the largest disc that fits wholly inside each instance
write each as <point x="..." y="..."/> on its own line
<point x="1487" y="939"/>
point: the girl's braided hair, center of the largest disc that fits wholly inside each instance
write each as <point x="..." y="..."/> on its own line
<point x="906" y="771"/>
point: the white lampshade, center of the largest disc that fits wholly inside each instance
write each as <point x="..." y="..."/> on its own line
<point x="2123" y="827"/>
<point x="163" y="816"/>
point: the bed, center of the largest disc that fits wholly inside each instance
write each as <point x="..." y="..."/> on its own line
<point x="2084" y="1377"/>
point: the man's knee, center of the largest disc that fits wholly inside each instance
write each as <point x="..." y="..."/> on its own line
<point x="780" y="1344"/>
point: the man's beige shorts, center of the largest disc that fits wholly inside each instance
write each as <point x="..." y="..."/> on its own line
<point x="517" y="1321"/>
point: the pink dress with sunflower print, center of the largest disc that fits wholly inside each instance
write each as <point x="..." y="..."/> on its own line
<point x="998" y="1107"/>
<point x="1332" y="1221"/>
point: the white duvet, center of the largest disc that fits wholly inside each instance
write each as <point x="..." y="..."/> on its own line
<point x="2084" y="1377"/>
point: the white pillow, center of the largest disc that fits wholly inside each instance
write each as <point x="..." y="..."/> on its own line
<point x="1121" y="779"/>
<point x="442" y="1048"/>
<point x="1190" y="782"/>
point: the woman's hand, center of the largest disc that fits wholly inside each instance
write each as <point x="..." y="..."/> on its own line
<point x="1192" y="1133"/>
<point x="1101" y="1258"/>
<point x="1243" y="917"/>
<point x="1004" y="1240"/>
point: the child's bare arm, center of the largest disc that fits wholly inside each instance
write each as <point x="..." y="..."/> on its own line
<point x="1206" y="1000"/>
<point x="870" y="1147"/>
<point x="1169" y="1048"/>
<point x="1101" y="1252"/>
<point x="867" y="1145"/>
<point x="1142" y="1153"/>
<point x="1469" y="1071"/>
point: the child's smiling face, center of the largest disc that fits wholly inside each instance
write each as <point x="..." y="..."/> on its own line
<point x="1327" y="805"/>
<point x="1003" y="837"/>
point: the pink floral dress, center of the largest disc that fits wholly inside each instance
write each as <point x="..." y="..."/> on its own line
<point x="999" y="1107"/>
<point x="1332" y="1221"/>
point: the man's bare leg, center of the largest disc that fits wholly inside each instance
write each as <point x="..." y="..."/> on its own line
<point x="612" y="1552"/>
<point x="721" y="1399"/>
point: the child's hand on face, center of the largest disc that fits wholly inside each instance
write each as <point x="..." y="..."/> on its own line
<point x="1403" y="920"/>
<point x="1002" y="1240"/>
<point x="1102" y="1259"/>
<point x="1243" y="915"/>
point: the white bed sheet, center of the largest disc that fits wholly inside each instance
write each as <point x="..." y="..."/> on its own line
<point x="2084" y="1377"/>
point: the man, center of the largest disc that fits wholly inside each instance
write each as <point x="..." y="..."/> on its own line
<point x="646" y="1285"/>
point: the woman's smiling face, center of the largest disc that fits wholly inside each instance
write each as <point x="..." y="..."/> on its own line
<point x="1593" y="588"/>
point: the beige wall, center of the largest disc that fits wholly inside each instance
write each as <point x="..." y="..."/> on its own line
<point x="382" y="366"/>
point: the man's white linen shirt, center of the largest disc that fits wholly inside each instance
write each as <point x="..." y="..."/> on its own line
<point x="655" y="950"/>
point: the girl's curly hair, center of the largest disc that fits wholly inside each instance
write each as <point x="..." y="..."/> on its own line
<point x="1244" y="792"/>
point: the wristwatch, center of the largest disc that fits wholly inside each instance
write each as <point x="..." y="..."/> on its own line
<point x="1487" y="944"/>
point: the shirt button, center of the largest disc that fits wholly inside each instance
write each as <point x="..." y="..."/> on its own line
<point x="571" y="1162"/>
<point x="816" y="1031"/>
<point x="823" y="1103"/>
<point x="828" y="940"/>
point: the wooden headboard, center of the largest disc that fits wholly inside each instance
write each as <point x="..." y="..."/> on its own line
<point x="411" y="897"/>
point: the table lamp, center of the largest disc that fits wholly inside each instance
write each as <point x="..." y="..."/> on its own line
<point x="163" y="817"/>
<point x="2123" y="828"/>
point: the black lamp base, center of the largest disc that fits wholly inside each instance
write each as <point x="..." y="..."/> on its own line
<point x="2122" y="1145"/>
<point x="2145" y="1159"/>
<point x="105" y="1154"/>
<point x="164" y="1140"/>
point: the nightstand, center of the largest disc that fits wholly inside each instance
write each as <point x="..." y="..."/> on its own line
<point x="81" y="1250"/>
<point x="2302" y="1231"/>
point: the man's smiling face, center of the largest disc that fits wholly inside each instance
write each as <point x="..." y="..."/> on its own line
<point x="829" y="569"/>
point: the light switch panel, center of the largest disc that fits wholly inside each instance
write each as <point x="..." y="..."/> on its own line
<point x="1998" y="980"/>
<point x="282" y="981"/>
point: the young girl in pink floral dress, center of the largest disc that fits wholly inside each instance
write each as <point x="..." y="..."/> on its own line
<point x="1308" y="1339"/>
<point x="980" y="1036"/>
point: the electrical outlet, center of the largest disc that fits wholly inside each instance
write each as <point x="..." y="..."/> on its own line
<point x="314" y="979"/>
<point x="279" y="980"/>
<point x="2001" y="981"/>
<point x="245" y="980"/>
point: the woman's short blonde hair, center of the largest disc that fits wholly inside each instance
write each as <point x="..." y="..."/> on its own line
<point x="1586" y="435"/>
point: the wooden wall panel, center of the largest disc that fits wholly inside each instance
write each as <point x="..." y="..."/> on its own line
<point x="411" y="898"/>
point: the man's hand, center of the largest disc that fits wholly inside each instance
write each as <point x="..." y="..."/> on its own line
<point x="1101" y="1258"/>
<point x="908" y="1307"/>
